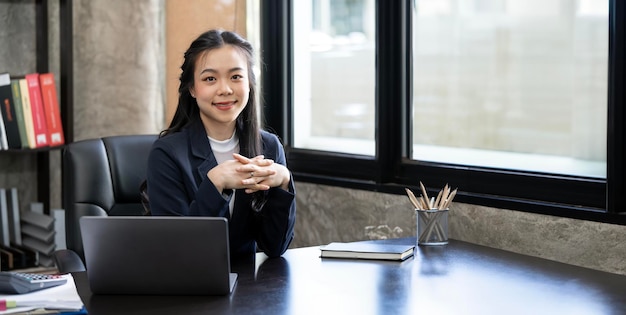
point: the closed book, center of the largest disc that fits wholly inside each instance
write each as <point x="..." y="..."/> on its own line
<point x="36" y="207"/>
<point x="46" y="236"/>
<point x="3" y="136"/>
<point x="42" y="247"/>
<point x="46" y="260"/>
<point x="366" y="250"/>
<point x="51" y="108"/>
<point x="19" y="112"/>
<point x="32" y="256"/>
<point x="36" y="106"/>
<point x="7" y="107"/>
<point x="20" y="258"/>
<point x="6" y="260"/>
<point x="15" y="225"/>
<point x="59" y="228"/>
<point x="37" y="219"/>
<point x="4" y="219"/>
<point x="28" y="113"/>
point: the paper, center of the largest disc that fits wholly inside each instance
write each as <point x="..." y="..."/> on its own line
<point x="63" y="297"/>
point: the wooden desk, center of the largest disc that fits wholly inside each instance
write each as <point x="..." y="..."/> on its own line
<point x="459" y="278"/>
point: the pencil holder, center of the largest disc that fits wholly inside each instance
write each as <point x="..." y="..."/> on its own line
<point x="432" y="227"/>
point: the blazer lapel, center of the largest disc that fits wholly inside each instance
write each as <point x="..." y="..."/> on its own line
<point x="201" y="150"/>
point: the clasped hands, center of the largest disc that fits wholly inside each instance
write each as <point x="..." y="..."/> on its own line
<point x="251" y="174"/>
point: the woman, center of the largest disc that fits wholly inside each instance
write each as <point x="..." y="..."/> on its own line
<point x="214" y="160"/>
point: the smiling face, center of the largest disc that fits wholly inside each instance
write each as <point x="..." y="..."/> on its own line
<point x="221" y="89"/>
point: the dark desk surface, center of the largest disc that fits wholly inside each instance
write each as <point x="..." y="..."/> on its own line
<point x="458" y="278"/>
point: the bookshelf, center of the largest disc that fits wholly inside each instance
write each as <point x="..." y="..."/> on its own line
<point x="45" y="13"/>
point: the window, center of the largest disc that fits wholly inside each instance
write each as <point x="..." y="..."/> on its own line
<point x="518" y="103"/>
<point x="507" y="85"/>
<point x="335" y="58"/>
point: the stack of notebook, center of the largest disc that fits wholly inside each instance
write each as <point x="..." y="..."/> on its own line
<point x="38" y="234"/>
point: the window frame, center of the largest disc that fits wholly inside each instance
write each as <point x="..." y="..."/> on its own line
<point x="391" y="170"/>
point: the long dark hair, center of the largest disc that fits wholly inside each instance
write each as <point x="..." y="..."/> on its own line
<point x="247" y="125"/>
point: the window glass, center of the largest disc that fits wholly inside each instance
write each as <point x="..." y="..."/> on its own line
<point x="515" y="84"/>
<point x="334" y="75"/>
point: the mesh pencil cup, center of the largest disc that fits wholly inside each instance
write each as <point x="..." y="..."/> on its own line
<point x="432" y="227"/>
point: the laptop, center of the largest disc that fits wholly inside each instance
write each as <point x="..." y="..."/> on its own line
<point x="157" y="255"/>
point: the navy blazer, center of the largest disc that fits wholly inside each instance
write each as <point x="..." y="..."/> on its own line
<point x="178" y="186"/>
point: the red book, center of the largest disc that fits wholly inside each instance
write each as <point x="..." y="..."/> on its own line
<point x="39" y="116"/>
<point x="51" y="108"/>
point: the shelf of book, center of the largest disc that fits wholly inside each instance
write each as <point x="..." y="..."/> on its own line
<point x="36" y="18"/>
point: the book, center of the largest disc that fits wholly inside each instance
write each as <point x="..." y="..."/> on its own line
<point x="4" y="219"/>
<point x="365" y="250"/>
<point x="31" y="256"/>
<point x="37" y="110"/>
<point x="44" y="249"/>
<point x="23" y="257"/>
<point x="36" y="207"/>
<point x="6" y="260"/>
<point x="15" y="225"/>
<point x="28" y="113"/>
<point x="3" y="136"/>
<point x="20" y="258"/>
<point x="59" y="228"/>
<point x="19" y="112"/>
<point x="46" y="236"/>
<point x="51" y="108"/>
<point x="7" y="107"/>
<point x="46" y="260"/>
<point x="37" y="219"/>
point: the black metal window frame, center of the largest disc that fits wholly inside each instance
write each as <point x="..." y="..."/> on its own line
<point x="390" y="171"/>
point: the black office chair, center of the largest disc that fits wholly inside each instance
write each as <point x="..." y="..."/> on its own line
<point x="101" y="177"/>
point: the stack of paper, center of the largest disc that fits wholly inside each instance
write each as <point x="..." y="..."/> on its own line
<point x="63" y="298"/>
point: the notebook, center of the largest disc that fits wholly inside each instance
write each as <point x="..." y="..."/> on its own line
<point x="157" y="255"/>
<point x="367" y="250"/>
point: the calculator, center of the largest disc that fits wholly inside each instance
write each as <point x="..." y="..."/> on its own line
<point x="19" y="283"/>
